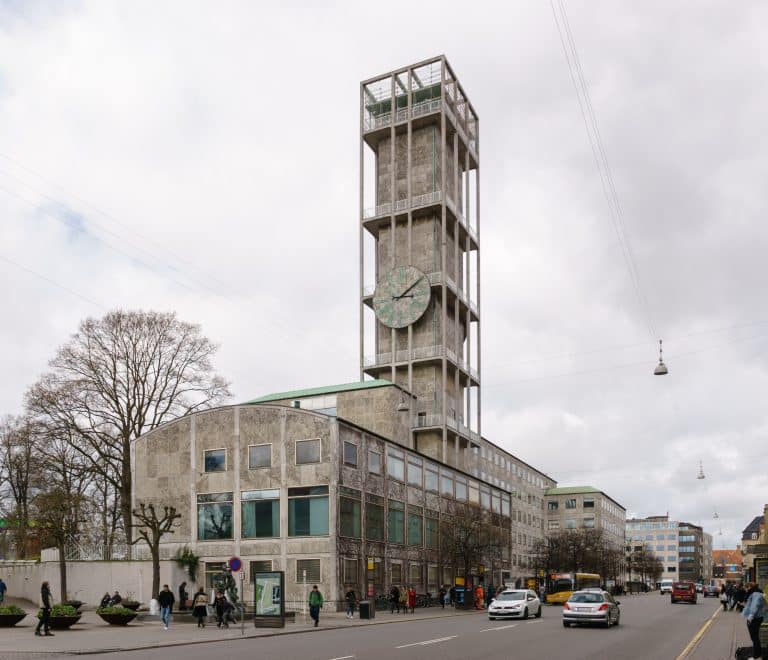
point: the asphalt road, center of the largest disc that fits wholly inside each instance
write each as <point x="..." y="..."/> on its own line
<point x="651" y="627"/>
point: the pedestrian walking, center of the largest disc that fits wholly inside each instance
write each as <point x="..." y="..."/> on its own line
<point x="452" y="594"/>
<point x="220" y="607"/>
<point x="200" y="607"/>
<point x="412" y="599"/>
<point x="3" y="589"/>
<point x="45" y="607"/>
<point x="479" y="597"/>
<point x="404" y="601"/>
<point x="489" y="594"/>
<point x="183" y="595"/>
<point x="441" y="595"/>
<point x="351" y="600"/>
<point x="315" y="604"/>
<point x="754" y="612"/>
<point x="739" y="597"/>
<point x="165" y="599"/>
<point x="724" y="597"/>
<point x="729" y="591"/>
<point x="394" y="599"/>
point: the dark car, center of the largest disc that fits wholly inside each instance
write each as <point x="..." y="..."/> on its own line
<point x="683" y="591"/>
<point x="711" y="590"/>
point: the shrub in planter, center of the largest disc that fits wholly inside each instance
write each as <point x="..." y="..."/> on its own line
<point x="130" y="604"/>
<point x="77" y="604"/>
<point x="10" y="615"/>
<point x="116" y="616"/>
<point x="62" y="616"/>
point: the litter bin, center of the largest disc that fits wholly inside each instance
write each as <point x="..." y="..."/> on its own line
<point x="367" y="609"/>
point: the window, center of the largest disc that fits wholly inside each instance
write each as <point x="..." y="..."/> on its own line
<point x="505" y="505"/>
<point x="396" y="522"/>
<point x="446" y="483"/>
<point x="350" y="454"/>
<point x="447" y="575"/>
<point x="374" y="519"/>
<point x="307" y="451"/>
<point x="215" y="460"/>
<point x="552" y="505"/>
<point x="259" y="456"/>
<point x="312" y="568"/>
<point x="350" y="571"/>
<point x="415" y="575"/>
<point x="415" y="527"/>
<point x="374" y="462"/>
<point x="474" y="492"/>
<point x="432" y="533"/>
<point x="349" y="512"/>
<point x="570" y="503"/>
<point x="260" y="513"/>
<point x="214" y="516"/>
<point x="496" y="501"/>
<point x="430" y="477"/>
<point x="589" y="523"/>
<point x="570" y="523"/>
<point x="671" y="569"/>
<point x="589" y="503"/>
<point x="396" y="464"/>
<point x="461" y="488"/>
<point x="553" y="524"/>
<point x="260" y="566"/>
<point x="671" y="548"/>
<point x="308" y="511"/>
<point x="485" y="497"/>
<point x="659" y="548"/>
<point x="432" y="578"/>
<point x="396" y="573"/>
<point x="414" y="471"/>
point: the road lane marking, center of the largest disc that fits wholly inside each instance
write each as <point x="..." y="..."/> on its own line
<point x="697" y="637"/>
<point x="429" y="641"/>
<point x="343" y="657"/>
<point x="499" y="628"/>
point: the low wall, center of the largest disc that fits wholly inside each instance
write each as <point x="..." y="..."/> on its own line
<point x="89" y="580"/>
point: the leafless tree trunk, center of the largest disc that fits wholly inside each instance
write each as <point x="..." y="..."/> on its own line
<point x="151" y="529"/>
<point x="119" y="377"/>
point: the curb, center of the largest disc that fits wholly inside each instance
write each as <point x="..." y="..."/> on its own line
<point x="242" y="637"/>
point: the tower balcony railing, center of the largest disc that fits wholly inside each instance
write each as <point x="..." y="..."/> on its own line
<point x="402" y="205"/>
<point x="374" y="122"/>
<point x="428" y="420"/>
<point x="420" y="353"/>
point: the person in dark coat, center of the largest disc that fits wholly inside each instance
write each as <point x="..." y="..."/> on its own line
<point x="219" y="604"/>
<point x="45" y="603"/>
<point x="165" y="599"/>
<point x="116" y="599"/>
<point x="394" y="600"/>
<point x="351" y="599"/>
<point x="452" y="593"/>
<point x="105" y="600"/>
<point x="441" y="595"/>
<point x="183" y="596"/>
<point x="739" y="598"/>
<point x="200" y="607"/>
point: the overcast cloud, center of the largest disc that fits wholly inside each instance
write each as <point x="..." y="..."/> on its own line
<point x="202" y="157"/>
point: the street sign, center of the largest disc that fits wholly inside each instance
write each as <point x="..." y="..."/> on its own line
<point x="235" y="564"/>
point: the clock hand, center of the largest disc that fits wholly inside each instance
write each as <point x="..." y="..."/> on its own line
<point x="402" y="295"/>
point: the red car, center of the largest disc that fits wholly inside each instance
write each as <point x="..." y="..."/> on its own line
<point x="685" y="591"/>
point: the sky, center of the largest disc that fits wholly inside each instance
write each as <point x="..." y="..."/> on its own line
<point x="203" y="158"/>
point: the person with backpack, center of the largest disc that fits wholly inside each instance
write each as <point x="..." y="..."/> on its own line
<point x="754" y="612"/>
<point x="200" y="607"/>
<point x="315" y="603"/>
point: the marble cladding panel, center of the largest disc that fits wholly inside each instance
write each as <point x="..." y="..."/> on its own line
<point x="416" y="496"/>
<point x="261" y="548"/>
<point x="260" y="425"/>
<point x="161" y="471"/>
<point x="215" y="430"/>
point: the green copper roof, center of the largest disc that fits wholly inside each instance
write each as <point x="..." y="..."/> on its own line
<point x="571" y="490"/>
<point x="317" y="391"/>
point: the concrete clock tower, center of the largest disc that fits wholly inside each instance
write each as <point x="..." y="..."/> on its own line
<point x="420" y="251"/>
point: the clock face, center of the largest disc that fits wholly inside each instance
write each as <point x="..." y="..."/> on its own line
<point x="401" y="296"/>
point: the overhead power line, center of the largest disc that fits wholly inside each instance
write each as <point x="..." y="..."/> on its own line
<point x="600" y="156"/>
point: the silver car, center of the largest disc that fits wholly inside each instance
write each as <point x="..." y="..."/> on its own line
<point x="591" y="606"/>
<point x="515" y="602"/>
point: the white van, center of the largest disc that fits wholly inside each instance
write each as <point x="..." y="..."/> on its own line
<point x="666" y="587"/>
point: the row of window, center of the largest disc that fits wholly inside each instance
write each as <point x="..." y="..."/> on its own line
<point x="260" y="513"/>
<point x="260" y="456"/>
<point x="570" y="503"/>
<point x="571" y="523"/>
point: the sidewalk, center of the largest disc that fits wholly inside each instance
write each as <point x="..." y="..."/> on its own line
<point x="726" y="632"/>
<point x="91" y="635"/>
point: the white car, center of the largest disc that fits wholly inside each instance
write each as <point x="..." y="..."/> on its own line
<point x="515" y="603"/>
<point x="666" y="587"/>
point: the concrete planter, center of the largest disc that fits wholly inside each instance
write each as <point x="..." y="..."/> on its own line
<point x="9" y="620"/>
<point x="117" y="619"/>
<point x="63" y="622"/>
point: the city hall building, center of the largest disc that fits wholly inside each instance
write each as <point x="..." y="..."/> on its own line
<point x="349" y="485"/>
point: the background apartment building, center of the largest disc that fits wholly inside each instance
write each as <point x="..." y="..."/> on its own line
<point x="684" y="549"/>
<point x="585" y="507"/>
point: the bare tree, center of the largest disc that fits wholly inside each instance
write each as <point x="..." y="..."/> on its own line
<point x="119" y="377"/>
<point x="151" y="529"/>
<point x="20" y="475"/>
<point x="472" y="537"/>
